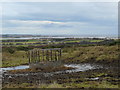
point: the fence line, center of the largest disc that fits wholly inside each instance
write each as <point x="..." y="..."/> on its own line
<point x="40" y="55"/>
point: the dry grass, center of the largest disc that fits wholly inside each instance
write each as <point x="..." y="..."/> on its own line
<point x="71" y="54"/>
<point x="95" y="53"/>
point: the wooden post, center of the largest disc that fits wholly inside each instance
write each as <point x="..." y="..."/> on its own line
<point x="29" y="56"/>
<point x="48" y="54"/>
<point x="34" y="59"/>
<point x="60" y="53"/>
<point x="51" y="54"/>
<point x="43" y="55"/>
<point x="35" y="56"/>
<point x="38" y="56"/>
<point x="47" y="57"/>
<point x="55" y="56"/>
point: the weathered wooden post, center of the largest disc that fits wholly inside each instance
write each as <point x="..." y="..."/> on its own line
<point x="33" y="56"/>
<point x="55" y="56"/>
<point x="35" y="51"/>
<point x="60" y="53"/>
<point x="47" y="55"/>
<point x="43" y="55"/>
<point x="29" y="55"/>
<point x="51" y="54"/>
<point x="37" y="55"/>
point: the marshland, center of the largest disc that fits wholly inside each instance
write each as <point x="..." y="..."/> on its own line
<point x="86" y="63"/>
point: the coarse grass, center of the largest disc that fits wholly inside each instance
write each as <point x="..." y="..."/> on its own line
<point x="31" y="85"/>
<point x="87" y="84"/>
<point x="92" y="84"/>
<point x="71" y="54"/>
<point x="15" y="59"/>
<point x="91" y="53"/>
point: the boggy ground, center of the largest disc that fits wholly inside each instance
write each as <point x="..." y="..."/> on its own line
<point x="98" y="78"/>
<point x="37" y="70"/>
<point x="107" y="77"/>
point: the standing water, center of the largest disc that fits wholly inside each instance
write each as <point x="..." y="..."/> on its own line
<point x="82" y="67"/>
<point x="15" y="68"/>
<point x="77" y="67"/>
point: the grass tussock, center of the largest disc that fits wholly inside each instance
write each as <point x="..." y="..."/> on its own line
<point x="91" y="53"/>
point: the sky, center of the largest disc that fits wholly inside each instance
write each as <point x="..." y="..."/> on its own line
<point x="60" y="18"/>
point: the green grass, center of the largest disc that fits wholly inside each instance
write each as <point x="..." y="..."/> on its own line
<point x="46" y="41"/>
<point x="96" y="40"/>
<point x="15" y="59"/>
<point x="96" y="53"/>
<point x="72" y="54"/>
<point x="87" y="84"/>
<point x="92" y="84"/>
<point x="72" y="41"/>
<point x="26" y="42"/>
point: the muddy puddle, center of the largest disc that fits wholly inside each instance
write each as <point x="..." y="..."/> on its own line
<point x="82" y="67"/>
<point x="14" y="68"/>
<point x="77" y="68"/>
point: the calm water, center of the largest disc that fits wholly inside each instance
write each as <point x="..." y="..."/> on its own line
<point x="25" y="38"/>
<point x="77" y="67"/>
<point x="15" y="68"/>
<point x="28" y="38"/>
<point x="82" y="67"/>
